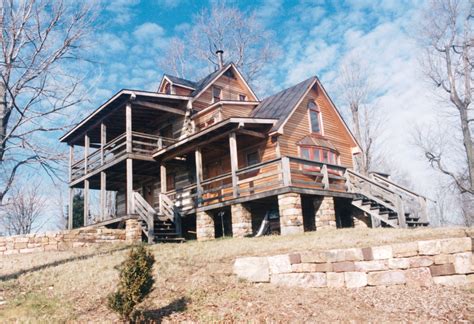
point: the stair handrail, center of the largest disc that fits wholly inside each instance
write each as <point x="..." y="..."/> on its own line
<point x="168" y="210"/>
<point x="393" y="197"/>
<point x="145" y="211"/>
<point x="403" y="190"/>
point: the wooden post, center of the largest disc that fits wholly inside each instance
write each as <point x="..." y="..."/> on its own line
<point x="285" y="168"/>
<point x="130" y="208"/>
<point x="128" y="126"/>
<point x="70" y="208"/>
<point x="103" y="142"/>
<point x="401" y="213"/>
<point x="71" y="161"/>
<point x="103" y="196"/>
<point x="164" y="189"/>
<point x="234" y="163"/>
<point x="86" y="152"/>
<point x="198" y="159"/>
<point x="86" y="201"/>
<point x="324" y="171"/>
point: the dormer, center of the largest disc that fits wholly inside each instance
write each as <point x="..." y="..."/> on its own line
<point x="177" y="86"/>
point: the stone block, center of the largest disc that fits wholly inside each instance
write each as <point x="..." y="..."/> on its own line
<point x="442" y="270"/>
<point x="374" y="265"/>
<point x="355" y="279"/>
<point x="456" y="245"/>
<point x="254" y="269"/>
<point x="335" y="280"/>
<point x="295" y="258"/>
<point x="353" y="254"/>
<point x="279" y="264"/>
<point x="454" y="280"/>
<point x="312" y="267"/>
<point x="20" y="245"/>
<point x="304" y="280"/>
<point x="462" y="262"/>
<point x="382" y="252"/>
<point x="420" y="261"/>
<point x="367" y="254"/>
<point x="345" y="266"/>
<point x="443" y="258"/>
<point x="314" y="257"/>
<point x="418" y="277"/>
<point x="401" y="250"/>
<point x="386" y="278"/>
<point x="336" y="255"/>
<point x="429" y="247"/>
<point x="470" y="279"/>
<point x="399" y="263"/>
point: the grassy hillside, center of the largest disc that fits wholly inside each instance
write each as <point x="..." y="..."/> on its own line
<point x="194" y="281"/>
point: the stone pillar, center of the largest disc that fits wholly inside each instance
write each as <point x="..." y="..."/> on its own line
<point x="325" y="215"/>
<point x="133" y="231"/>
<point x="241" y="220"/>
<point x="291" y="214"/>
<point x="205" y="226"/>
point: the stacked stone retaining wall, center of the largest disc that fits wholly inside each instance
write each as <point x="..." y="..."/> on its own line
<point x="423" y="263"/>
<point x="66" y="240"/>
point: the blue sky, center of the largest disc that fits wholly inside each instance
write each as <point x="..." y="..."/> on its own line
<point x="313" y="37"/>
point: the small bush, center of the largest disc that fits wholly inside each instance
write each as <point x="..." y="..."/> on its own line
<point x="136" y="282"/>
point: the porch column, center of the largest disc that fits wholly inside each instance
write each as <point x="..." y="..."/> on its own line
<point x="86" y="182"/>
<point x="71" y="190"/>
<point x="205" y="226"/>
<point x="128" y="130"/>
<point x="198" y="160"/>
<point x="241" y="220"/>
<point x="86" y="201"/>
<point x="103" y="176"/>
<point x="234" y="163"/>
<point x="291" y="214"/>
<point x="325" y="215"/>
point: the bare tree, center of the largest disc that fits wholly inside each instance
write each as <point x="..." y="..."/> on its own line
<point x="222" y="27"/>
<point x="446" y="35"/>
<point x="23" y="211"/>
<point x="41" y="45"/>
<point x="356" y="89"/>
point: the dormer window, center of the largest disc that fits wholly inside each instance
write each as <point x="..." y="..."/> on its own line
<point x="216" y="94"/>
<point x="242" y="97"/>
<point x="168" y="88"/>
<point x="314" y="117"/>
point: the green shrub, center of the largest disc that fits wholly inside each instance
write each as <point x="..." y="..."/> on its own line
<point x="136" y="282"/>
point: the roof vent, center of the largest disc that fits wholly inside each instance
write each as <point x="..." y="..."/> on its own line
<point x="220" y="59"/>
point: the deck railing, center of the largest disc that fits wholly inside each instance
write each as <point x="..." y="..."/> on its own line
<point x="260" y="178"/>
<point x="143" y="146"/>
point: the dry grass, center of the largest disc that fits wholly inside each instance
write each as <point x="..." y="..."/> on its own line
<point x="194" y="282"/>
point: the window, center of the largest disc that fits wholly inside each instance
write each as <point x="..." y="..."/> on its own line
<point x="253" y="158"/>
<point x="229" y="74"/>
<point x="318" y="154"/>
<point x="315" y="117"/>
<point x="216" y="94"/>
<point x="171" y="181"/>
<point x="242" y="97"/>
<point x="168" y="88"/>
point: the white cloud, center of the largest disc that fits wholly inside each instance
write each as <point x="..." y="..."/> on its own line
<point x="148" y="32"/>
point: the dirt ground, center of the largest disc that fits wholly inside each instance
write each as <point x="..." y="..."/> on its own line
<point x="194" y="282"/>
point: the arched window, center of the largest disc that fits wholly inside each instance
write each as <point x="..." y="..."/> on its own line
<point x="314" y="117"/>
<point x="167" y="88"/>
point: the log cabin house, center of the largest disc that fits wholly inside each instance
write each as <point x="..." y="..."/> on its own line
<point x="209" y="158"/>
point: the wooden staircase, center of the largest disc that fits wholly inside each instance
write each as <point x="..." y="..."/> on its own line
<point x="163" y="225"/>
<point x="386" y="202"/>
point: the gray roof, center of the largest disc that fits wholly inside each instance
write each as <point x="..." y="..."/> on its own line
<point x="280" y="105"/>
<point x="181" y="81"/>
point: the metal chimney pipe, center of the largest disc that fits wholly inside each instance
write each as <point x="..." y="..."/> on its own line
<point x="220" y="60"/>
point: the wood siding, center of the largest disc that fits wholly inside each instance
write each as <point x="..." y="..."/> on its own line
<point x="231" y="88"/>
<point x="297" y="127"/>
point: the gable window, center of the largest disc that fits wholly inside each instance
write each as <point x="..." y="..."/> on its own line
<point x="216" y="94"/>
<point x="253" y="158"/>
<point x="168" y="88"/>
<point x="314" y="117"/>
<point x="229" y="73"/>
<point x="242" y="97"/>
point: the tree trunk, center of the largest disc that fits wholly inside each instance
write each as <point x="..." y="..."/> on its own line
<point x="3" y="119"/>
<point x="361" y="161"/>
<point x="467" y="142"/>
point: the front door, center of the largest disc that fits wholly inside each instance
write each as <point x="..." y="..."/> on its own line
<point x="148" y="194"/>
